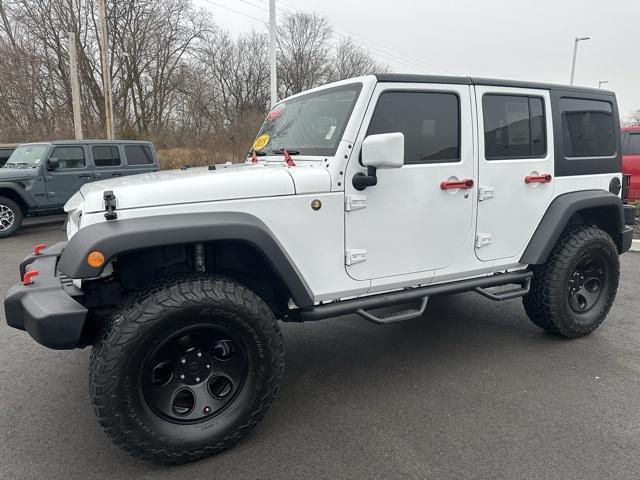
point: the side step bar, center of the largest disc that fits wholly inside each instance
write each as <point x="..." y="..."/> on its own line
<point x="361" y="304"/>
<point x="395" y="317"/>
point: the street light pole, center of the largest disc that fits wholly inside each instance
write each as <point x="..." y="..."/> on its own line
<point x="272" y="51"/>
<point x="602" y="82"/>
<point x="575" y="54"/>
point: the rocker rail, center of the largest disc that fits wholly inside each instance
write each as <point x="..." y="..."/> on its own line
<point x="334" y="309"/>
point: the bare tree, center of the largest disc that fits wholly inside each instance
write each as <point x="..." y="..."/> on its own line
<point x="633" y="119"/>
<point x="303" y="52"/>
<point x="351" y="60"/>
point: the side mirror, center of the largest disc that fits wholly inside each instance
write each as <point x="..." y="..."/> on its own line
<point x="385" y="150"/>
<point x="53" y="164"/>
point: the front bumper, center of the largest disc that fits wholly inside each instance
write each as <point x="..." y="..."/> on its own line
<point x="48" y="309"/>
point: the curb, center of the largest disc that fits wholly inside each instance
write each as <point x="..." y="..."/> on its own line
<point x="635" y="246"/>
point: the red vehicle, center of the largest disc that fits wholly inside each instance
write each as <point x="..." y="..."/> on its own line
<point x="631" y="159"/>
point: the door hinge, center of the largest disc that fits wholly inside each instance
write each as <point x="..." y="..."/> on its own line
<point x="483" y="239"/>
<point x="355" y="202"/>
<point x="355" y="255"/>
<point x="484" y="193"/>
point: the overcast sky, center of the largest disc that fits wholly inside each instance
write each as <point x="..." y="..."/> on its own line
<point x="519" y="39"/>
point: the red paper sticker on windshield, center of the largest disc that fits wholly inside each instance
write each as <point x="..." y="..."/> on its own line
<point x="276" y="112"/>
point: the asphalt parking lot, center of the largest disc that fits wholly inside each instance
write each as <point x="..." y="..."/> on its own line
<point x="472" y="390"/>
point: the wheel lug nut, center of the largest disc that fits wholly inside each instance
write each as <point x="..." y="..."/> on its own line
<point x="199" y="354"/>
<point x="183" y="360"/>
<point x="197" y="379"/>
<point x="206" y="410"/>
<point x="181" y="377"/>
<point x="208" y="366"/>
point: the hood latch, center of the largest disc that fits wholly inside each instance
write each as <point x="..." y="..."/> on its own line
<point x="110" y="205"/>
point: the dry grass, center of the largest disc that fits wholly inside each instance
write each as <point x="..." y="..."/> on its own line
<point x="173" y="158"/>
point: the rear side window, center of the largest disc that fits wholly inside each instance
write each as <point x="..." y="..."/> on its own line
<point x="632" y="145"/>
<point x="138" y="155"/>
<point x="429" y="121"/>
<point x="514" y="127"/>
<point x="587" y="128"/>
<point x="69" y="157"/>
<point x="107" y="156"/>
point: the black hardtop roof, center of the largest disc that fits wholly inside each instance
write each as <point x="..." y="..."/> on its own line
<point x="492" y="82"/>
<point x="89" y="142"/>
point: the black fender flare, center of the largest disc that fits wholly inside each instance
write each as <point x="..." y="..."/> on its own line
<point x="127" y="235"/>
<point x="560" y="212"/>
<point x="20" y="192"/>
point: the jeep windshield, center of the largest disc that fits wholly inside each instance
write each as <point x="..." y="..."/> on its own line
<point x="310" y="124"/>
<point x="26" y="156"/>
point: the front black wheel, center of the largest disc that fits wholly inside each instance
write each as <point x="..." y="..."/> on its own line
<point x="573" y="292"/>
<point x="186" y="369"/>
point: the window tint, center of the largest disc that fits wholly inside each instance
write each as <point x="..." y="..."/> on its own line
<point x="430" y="123"/>
<point x="106" y="156"/>
<point x="587" y="128"/>
<point x="138" y="155"/>
<point x="514" y="127"/>
<point x="69" y="157"/>
<point x="633" y="144"/>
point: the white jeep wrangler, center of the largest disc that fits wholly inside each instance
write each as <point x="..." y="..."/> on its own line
<point x="373" y="192"/>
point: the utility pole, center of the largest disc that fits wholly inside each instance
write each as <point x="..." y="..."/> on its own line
<point x="106" y="75"/>
<point x="75" y="86"/>
<point x="272" y="51"/>
<point x="575" y="54"/>
<point x="602" y="82"/>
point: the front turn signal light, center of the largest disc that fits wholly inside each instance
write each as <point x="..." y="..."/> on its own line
<point x="95" y="259"/>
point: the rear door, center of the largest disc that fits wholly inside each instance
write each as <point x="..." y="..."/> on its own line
<point x="67" y="179"/>
<point x="107" y="161"/>
<point x="516" y="168"/>
<point x="631" y="162"/>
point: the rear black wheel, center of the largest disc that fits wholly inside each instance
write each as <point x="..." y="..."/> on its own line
<point x="573" y="292"/>
<point x="10" y="217"/>
<point x="186" y="369"/>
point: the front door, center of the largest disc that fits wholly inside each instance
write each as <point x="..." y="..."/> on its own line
<point x="71" y="174"/>
<point x="515" y="168"/>
<point x="413" y="220"/>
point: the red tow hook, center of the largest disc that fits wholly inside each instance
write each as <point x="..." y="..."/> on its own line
<point x="288" y="159"/>
<point x="37" y="250"/>
<point x="28" y="277"/>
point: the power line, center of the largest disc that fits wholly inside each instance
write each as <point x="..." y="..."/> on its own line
<point x="235" y="11"/>
<point x="414" y="61"/>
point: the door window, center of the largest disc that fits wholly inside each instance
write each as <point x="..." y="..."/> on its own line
<point x="514" y="127"/>
<point x="138" y="155"/>
<point x="106" y="156"/>
<point x="633" y="144"/>
<point x="429" y="121"/>
<point x="69" y="157"/>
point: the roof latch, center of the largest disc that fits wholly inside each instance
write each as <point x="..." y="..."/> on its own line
<point x="110" y="205"/>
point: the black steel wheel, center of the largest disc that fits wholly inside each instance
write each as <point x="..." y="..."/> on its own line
<point x="186" y="369"/>
<point x="195" y="373"/>
<point x="572" y="293"/>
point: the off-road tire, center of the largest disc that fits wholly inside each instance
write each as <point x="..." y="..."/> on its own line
<point x="132" y="330"/>
<point x="17" y="214"/>
<point x="547" y="303"/>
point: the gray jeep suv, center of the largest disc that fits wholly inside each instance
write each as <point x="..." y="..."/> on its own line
<point x="38" y="178"/>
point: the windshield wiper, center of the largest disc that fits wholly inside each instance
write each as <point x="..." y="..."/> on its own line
<point x="12" y="164"/>
<point x="281" y="151"/>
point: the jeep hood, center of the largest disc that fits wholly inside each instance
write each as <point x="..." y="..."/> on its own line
<point x="18" y="173"/>
<point x="203" y="185"/>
